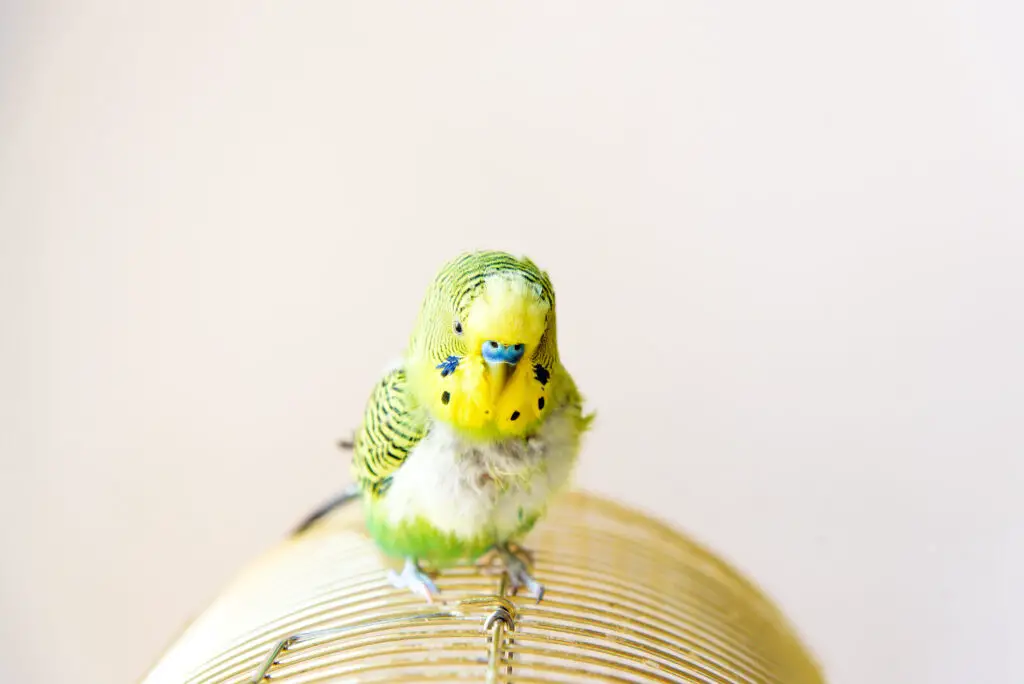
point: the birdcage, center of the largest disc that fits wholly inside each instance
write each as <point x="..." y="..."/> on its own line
<point x="628" y="600"/>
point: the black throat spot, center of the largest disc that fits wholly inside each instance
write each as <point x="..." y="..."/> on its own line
<point x="542" y="374"/>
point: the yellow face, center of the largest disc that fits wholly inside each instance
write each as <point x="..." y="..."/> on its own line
<point x="495" y="389"/>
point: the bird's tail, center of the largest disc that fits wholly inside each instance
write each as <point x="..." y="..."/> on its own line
<point x="350" y="493"/>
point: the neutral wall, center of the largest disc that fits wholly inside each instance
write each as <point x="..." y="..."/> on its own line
<point x="786" y="238"/>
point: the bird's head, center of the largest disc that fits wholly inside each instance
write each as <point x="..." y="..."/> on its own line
<point x="484" y="347"/>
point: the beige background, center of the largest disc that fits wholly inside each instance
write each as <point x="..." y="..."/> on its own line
<point x="786" y="238"/>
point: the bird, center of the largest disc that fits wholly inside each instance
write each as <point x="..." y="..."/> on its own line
<point x="467" y="439"/>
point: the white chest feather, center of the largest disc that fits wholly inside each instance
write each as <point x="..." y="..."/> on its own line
<point x="469" y="489"/>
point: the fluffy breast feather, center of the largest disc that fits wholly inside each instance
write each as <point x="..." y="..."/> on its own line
<point x="470" y="489"/>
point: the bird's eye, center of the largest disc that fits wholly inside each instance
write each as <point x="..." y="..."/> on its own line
<point x="457" y="327"/>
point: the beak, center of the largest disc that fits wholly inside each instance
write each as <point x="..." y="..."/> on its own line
<point x="498" y="373"/>
<point x="501" y="360"/>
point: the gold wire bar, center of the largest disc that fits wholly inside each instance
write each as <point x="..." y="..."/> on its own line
<point x="628" y="600"/>
<point x="285" y="644"/>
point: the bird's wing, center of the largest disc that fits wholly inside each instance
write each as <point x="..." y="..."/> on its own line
<point x="392" y="425"/>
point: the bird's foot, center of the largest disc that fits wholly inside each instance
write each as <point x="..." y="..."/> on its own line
<point x="523" y="553"/>
<point x="488" y="563"/>
<point x="491" y="563"/>
<point x="517" y="567"/>
<point x="415" y="580"/>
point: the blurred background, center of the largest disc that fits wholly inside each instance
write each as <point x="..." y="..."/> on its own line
<point x="787" y="240"/>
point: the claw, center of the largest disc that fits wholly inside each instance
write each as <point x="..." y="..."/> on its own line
<point x="415" y="580"/>
<point x="518" y="571"/>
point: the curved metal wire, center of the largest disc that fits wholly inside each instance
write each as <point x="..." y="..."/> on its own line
<point x="628" y="600"/>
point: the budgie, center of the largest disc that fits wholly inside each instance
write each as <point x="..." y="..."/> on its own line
<point x="464" y="443"/>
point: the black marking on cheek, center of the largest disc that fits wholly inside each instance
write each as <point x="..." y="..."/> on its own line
<point x="540" y="404"/>
<point x="515" y="415"/>
<point x="542" y="374"/>
<point x="445" y="397"/>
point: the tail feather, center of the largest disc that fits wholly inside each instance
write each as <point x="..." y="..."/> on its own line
<point x="341" y="498"/>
